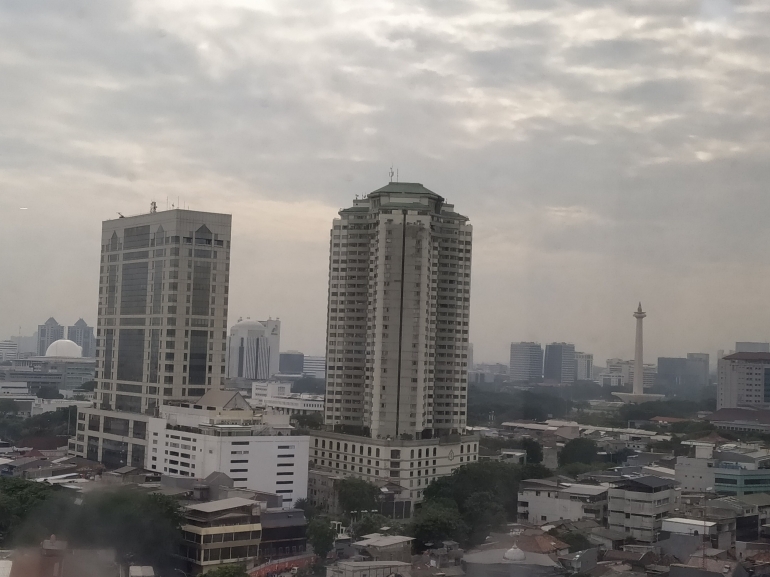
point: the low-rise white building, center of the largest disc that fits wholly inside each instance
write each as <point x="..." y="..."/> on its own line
<point x="220" y="432"/>
<point x="546" y="501"/>
<point x="638" y="505"/>
<point x="276" y="396"/>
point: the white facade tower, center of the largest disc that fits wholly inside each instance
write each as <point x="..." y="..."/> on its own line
<point x="639" y="356"/>
<point x="399" y="304"/>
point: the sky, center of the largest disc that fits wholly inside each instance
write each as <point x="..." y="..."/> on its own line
<point x="606" y="153"/>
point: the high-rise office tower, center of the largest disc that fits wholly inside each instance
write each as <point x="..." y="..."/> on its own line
<point x="397" y="342"/>
<point x="584" y="366"/>
<point x="559" y="363"/>
<point x="526" y="362"/>
<point x="162" y="324"/>
<point x="253" y="350"/>
<point x="83" y="336"/>
<point x="399" y="303"/>
<point x="291" y="363"/>
<point x="48" y="333"/>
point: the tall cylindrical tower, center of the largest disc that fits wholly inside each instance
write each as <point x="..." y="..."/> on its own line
<point x="639" y="357"/>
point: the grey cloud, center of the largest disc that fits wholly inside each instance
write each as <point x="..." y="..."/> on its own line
<point x="582" y="138"/>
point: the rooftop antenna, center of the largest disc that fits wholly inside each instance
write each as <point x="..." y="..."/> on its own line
<point x="396" y="175"/>
<point x="390" y="174"/>
<point x="121" y="216"/>
<point x="153" y="207"/>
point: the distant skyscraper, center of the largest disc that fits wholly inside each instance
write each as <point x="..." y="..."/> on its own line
<point x="584" y="363"/>
<point x="161" y="328"/>
<point x="743" y="380"/>
<point x="399" y="307"/>
<point x="749" y="347"/>
<point x="314" y="367"/>
<point x="526" y="363"/>
<point x="83" y="335"/>
<point x="48" y="333"/>
<point x="692" y="371"/>
<point x="253" y="350"/>
<point x="8" y="350"/>
<point x="291" y="363"/>
<point x="559" y="364"/>
<point x="470" y="356"/>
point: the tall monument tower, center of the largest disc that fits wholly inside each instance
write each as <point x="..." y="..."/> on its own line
<point x="639" y="358"/>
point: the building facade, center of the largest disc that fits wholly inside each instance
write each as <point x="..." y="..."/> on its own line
<point x="220" y="532"/>
<point x="690" y="371"/>
<point x="559" y="363"/>
<point x="314" y="367"/>
<point x="410" y="464"/>
<point x="743" y="380"/>
<point x="83" y="336"/>
<point x="526" y="363"/>
<point x="727" y="472"/>
<point x="162" y="316"/>
<point x="253" y="350"/>
<point x="584" y="366"/>
<point x="544" y="501"/>
<point x="47" y="333"/>
<point x="638" y="505"/>
<point x="9" y="350"/>
<point x="399" y="308"/>
<point x="292" y="363"/>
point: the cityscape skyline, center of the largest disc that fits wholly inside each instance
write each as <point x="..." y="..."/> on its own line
<point x="501" y="350"/>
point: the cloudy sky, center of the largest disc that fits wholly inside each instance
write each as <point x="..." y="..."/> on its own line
<point x="606" y="152"/>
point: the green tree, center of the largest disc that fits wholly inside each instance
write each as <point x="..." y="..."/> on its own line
<point x="9" y="407"/>
<point x="142" y="528"/>
<point x="309" y="509"/>
<point x="482" y="512"/>
<point x="321" y="536"/>
<point x="228" y="571"/>
<point x="534" y="450"/>
<point x="436" y="522"/>
<point x="49" y="392"/>
<point x="576" y="541"/>
<point x="312" y="421"/>
<point x="18" y="497"/>
<point x="88" y="386"/>
<point x="371" y="523"/>
<point x="580" y="450"/>
<point x="357" y="495"/>
<point x="499" y="479"/>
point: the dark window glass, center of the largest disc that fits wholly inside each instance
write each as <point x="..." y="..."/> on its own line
<point x="114" y="453"/>
<point x="201" y="288"/>
<point x="128" y="403"/>
<point x="108" y="348"/>
<point x="140" y="430"/>
<point x="198" y="350"/>
<point x="133" y="289"/>
<point x="155" y="355"/>
<point x="137" y="455"/>
<point x="136" y="237"/>
<point x="92" y="452"/>
<point x="130" y="354"/>
<point x="116" y="426"/>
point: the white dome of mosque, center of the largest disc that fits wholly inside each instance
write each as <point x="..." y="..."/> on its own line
<point x="514" y="554"/>
<point x="64" y="348"/>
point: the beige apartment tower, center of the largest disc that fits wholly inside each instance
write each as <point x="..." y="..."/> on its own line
<point x="399" y="303"/>
<point x="162" y="325"/>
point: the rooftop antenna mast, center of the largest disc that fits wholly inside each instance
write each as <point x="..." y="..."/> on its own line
<point x="390" y="174"/>
<point x="153" y="207"/>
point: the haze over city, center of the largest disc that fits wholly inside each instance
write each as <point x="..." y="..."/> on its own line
<point x="604" y="153"/>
